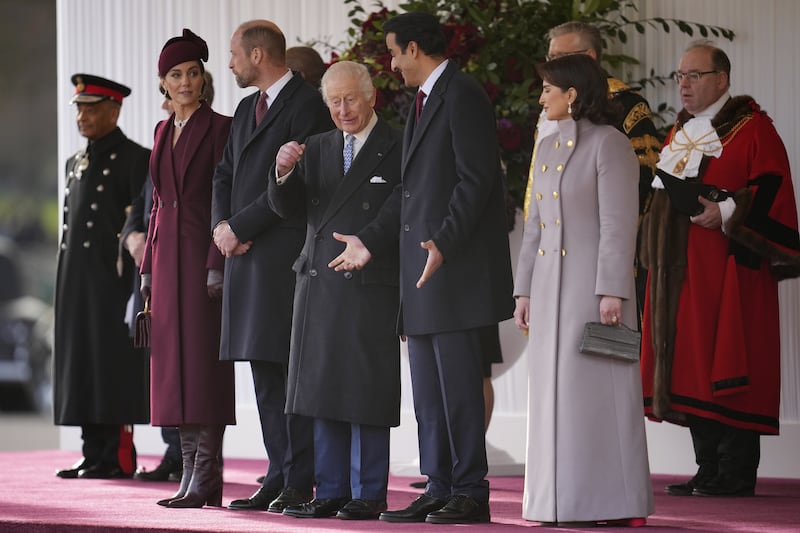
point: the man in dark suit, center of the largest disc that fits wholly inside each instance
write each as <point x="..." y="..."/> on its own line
<point x="344" y="367"/>
<point x="455" y="267"/>
<point x="99" y="380"/>
<point x="260" y="247"/>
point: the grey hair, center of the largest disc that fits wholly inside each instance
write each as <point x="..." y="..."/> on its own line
<point x="351" y="69"/>
<point x="589" y="35"/>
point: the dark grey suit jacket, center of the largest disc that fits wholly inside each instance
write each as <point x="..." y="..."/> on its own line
<point x="259" y="285"/>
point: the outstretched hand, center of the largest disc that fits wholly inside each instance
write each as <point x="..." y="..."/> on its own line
<point x="355" y="255"/>
<point x="434" y="261"/>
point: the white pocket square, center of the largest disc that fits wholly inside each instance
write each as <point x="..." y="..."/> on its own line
<point x="377" y="179"/>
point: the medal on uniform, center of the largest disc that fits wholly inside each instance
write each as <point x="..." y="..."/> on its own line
<point x="83" y="164"/>
<point x="681" y="164"/>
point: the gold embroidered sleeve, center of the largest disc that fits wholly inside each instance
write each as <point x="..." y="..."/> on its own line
<point x="636" y="114"/>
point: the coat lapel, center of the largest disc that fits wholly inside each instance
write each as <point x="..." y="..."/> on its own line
<point x="369" y="158"/>
<point x="274" y="109"/>
<point x="196" y="134"/>
<point x="412" y="138"/>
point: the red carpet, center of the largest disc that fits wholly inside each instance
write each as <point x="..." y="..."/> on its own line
<point x="32" y="499"/>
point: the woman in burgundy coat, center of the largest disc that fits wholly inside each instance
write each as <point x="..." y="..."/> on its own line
<point x="182" y="272"/>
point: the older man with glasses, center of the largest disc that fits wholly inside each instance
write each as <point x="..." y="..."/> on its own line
<point x="711" y="329"/>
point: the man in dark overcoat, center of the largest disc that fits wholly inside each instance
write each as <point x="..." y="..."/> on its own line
<point x="455" y="267"/>
<point x="344" y="365"/>
<point x="260" y="247"/>
<point x="99" y="380"/>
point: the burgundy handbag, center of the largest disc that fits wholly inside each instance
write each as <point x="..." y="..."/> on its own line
<point x="141" y="331"/>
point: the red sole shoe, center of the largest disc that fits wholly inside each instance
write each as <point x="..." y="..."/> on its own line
<point x="627" y="522"/>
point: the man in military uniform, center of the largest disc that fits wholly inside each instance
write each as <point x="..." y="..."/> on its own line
<point x="636" y="120"/>
<point x="99" y="380"/>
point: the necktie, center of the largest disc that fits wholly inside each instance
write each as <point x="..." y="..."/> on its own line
<point x="420" y="97"/>
<point x="348" y="152"/>
<point x="261" y="108"/>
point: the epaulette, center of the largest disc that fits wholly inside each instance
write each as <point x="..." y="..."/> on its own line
<point x="616" y="86"/>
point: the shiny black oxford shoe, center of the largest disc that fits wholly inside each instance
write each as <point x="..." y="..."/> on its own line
<point x="460" y="509"/>
<point x="257" y="502"/>
<point x="103" y="472"/>
<point x="361" y="509"/>
<point x="316" y="508"/>
<point x="72" y="472"/>
<point x="417" y="511"/>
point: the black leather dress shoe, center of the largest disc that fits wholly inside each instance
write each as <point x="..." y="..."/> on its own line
<point x="316" y="508"/>
<point x="289" y="497"/>
<point x="725" y="486"/>
<point x="163" y="472"/>
<point x="257" y="502"/>
<point x="72" y="472"/>
<point x="361" y="509"/>
<point x="103" y="472"/>
<point x="416" y="512"/>
<point x="461" y="509"/>
<point x="680" y="489"/>
<point x="686" y="489"/>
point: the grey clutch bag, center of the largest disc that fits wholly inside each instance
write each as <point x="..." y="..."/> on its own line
<point x="616" y="342"/>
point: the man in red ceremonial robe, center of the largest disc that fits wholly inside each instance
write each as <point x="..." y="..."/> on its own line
<point x="711" y="330"/>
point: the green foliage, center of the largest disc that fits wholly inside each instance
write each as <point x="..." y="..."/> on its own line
<point x="500" y="42"/>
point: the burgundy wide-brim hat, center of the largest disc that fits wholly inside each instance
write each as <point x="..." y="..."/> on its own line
<point x="187" y="47"/>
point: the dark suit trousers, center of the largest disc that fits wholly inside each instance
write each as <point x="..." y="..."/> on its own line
<point x="288" y="439"/>
<point x="172" y="439"/>
<point x="447" y="381"/>
<point x="725" y="450"/>
<point x="109" y="445"/>
<point x="351" y="460"/>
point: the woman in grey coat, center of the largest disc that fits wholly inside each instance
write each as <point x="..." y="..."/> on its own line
<point x="586" y="449"/>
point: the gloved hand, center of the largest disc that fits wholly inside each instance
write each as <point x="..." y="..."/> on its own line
<point x="144" y="286"/>
<point x="214" y="283"/>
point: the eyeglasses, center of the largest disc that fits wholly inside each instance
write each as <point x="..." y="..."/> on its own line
<point x="693" y="76"/>
<point x="556" y="56"/>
